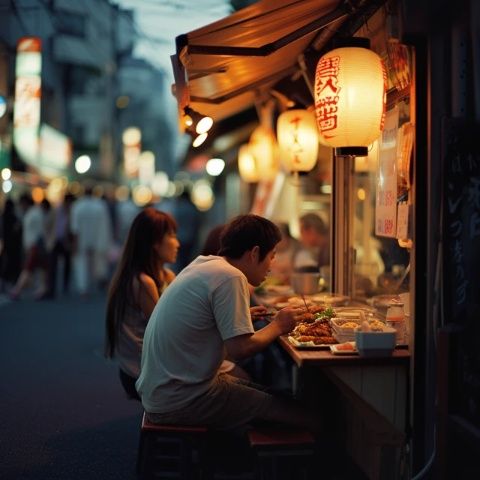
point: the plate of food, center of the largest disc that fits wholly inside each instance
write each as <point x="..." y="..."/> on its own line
<point x="314" y="330"/>
<point x="345" y="348"/>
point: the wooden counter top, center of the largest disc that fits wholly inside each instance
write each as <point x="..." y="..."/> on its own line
<point x="324" y="358"/>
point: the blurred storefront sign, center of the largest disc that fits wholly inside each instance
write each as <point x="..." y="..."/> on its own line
<point x="40" y="146"/>
<point x="132" y="145"/>
<point x="146" y="168"/>
<point x="55" y="152"/>
<point x="26" y="114"/>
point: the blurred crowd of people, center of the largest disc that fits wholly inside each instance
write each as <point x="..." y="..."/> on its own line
<point x="38" y="240"/>
<point x="74" y="245"/>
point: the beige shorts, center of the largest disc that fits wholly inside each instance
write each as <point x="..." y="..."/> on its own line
<point x="230" y="404"/>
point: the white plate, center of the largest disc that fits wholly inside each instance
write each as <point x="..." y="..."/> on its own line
<point x="309" y="345"/>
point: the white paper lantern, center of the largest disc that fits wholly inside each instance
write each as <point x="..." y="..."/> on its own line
<point x="247" y="166"/>
<point x="350" y="95"/>
<point x="263" y="147"/>
<point x="297" y="138"/>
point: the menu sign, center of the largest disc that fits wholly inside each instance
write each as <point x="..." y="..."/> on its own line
<point x="386" y="197"/>
<point x="461" y="258"/>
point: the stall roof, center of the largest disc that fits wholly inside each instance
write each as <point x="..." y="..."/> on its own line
<point x="227" y="66"/>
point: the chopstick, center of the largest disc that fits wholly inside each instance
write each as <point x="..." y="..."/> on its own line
<point x="305" y="302"/>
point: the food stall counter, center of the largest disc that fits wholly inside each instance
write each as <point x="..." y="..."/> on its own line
<point x="324" y="358"/>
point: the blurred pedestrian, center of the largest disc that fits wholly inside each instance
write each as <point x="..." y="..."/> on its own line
<point x="60" y="245"/>
<point x="139" y="281"/>
<point x="92" y="240"/>
<point x="34" y="245"/>
<point x="126" y="211"/>
<point x="10" y="245"/>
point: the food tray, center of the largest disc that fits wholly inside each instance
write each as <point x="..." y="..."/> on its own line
<point x="338" y="322"/>
<point x="346" y="334"/>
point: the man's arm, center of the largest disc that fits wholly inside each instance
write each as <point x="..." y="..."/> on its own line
<point x="247" y="345"/>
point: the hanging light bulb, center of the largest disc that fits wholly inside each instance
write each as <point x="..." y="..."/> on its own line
<point x="350" y="98"/>
<point x="297" y="136"/>
<point x="199" y="139"/>
<point x="203" y="123"/>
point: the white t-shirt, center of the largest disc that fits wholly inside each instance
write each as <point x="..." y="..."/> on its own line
<point x="33" y="223"/>
<point x="90" y="221"/>
<point x="183" y="346"/>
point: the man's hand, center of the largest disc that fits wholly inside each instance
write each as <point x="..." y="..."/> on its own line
<point x="258" y="311"/>
<point x="286" y="319"/>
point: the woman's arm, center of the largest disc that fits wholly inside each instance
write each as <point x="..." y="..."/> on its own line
<point x="146" y="293"/>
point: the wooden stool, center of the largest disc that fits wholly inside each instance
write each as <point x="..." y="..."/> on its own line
<point x="170" y="451"/>
<point x="282" y="452"/>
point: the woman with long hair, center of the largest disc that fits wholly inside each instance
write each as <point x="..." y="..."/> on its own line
<point x="138" y="282"/>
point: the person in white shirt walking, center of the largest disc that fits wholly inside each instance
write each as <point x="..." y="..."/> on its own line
<point x="92" y="238"/>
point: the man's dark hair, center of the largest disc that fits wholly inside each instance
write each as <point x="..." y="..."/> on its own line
<point x="245" y="232"/>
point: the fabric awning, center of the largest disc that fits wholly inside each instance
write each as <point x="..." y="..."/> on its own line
<point x="225" y="67"/>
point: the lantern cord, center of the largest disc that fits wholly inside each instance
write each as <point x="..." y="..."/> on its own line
<point x="303" y="70"/>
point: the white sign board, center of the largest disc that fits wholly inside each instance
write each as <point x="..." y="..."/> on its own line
<point x="386" y="195"/>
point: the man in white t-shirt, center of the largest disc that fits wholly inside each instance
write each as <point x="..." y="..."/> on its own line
<point x="92" y="233"/>
<point x="203" y="317"/>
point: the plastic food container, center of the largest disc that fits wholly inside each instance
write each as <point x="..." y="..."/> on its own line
<point x="395" y="318"/>
<point x="344" y="328"/>
<point x="376" y="344"/>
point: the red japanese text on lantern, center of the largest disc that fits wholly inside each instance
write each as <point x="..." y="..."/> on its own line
<point x="326" y="90"/>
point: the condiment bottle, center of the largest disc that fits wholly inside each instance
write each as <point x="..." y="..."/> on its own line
<point x="396" y="319"/>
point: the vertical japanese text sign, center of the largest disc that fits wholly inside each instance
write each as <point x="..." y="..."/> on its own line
<point x="386" y="196"/>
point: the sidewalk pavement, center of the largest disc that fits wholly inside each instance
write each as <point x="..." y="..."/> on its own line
<point x="63" y="413"/>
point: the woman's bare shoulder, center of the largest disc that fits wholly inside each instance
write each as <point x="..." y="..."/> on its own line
<point x="169" y="275"/>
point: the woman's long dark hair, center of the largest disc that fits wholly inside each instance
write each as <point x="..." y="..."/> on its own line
<point x="138" y="256"/>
